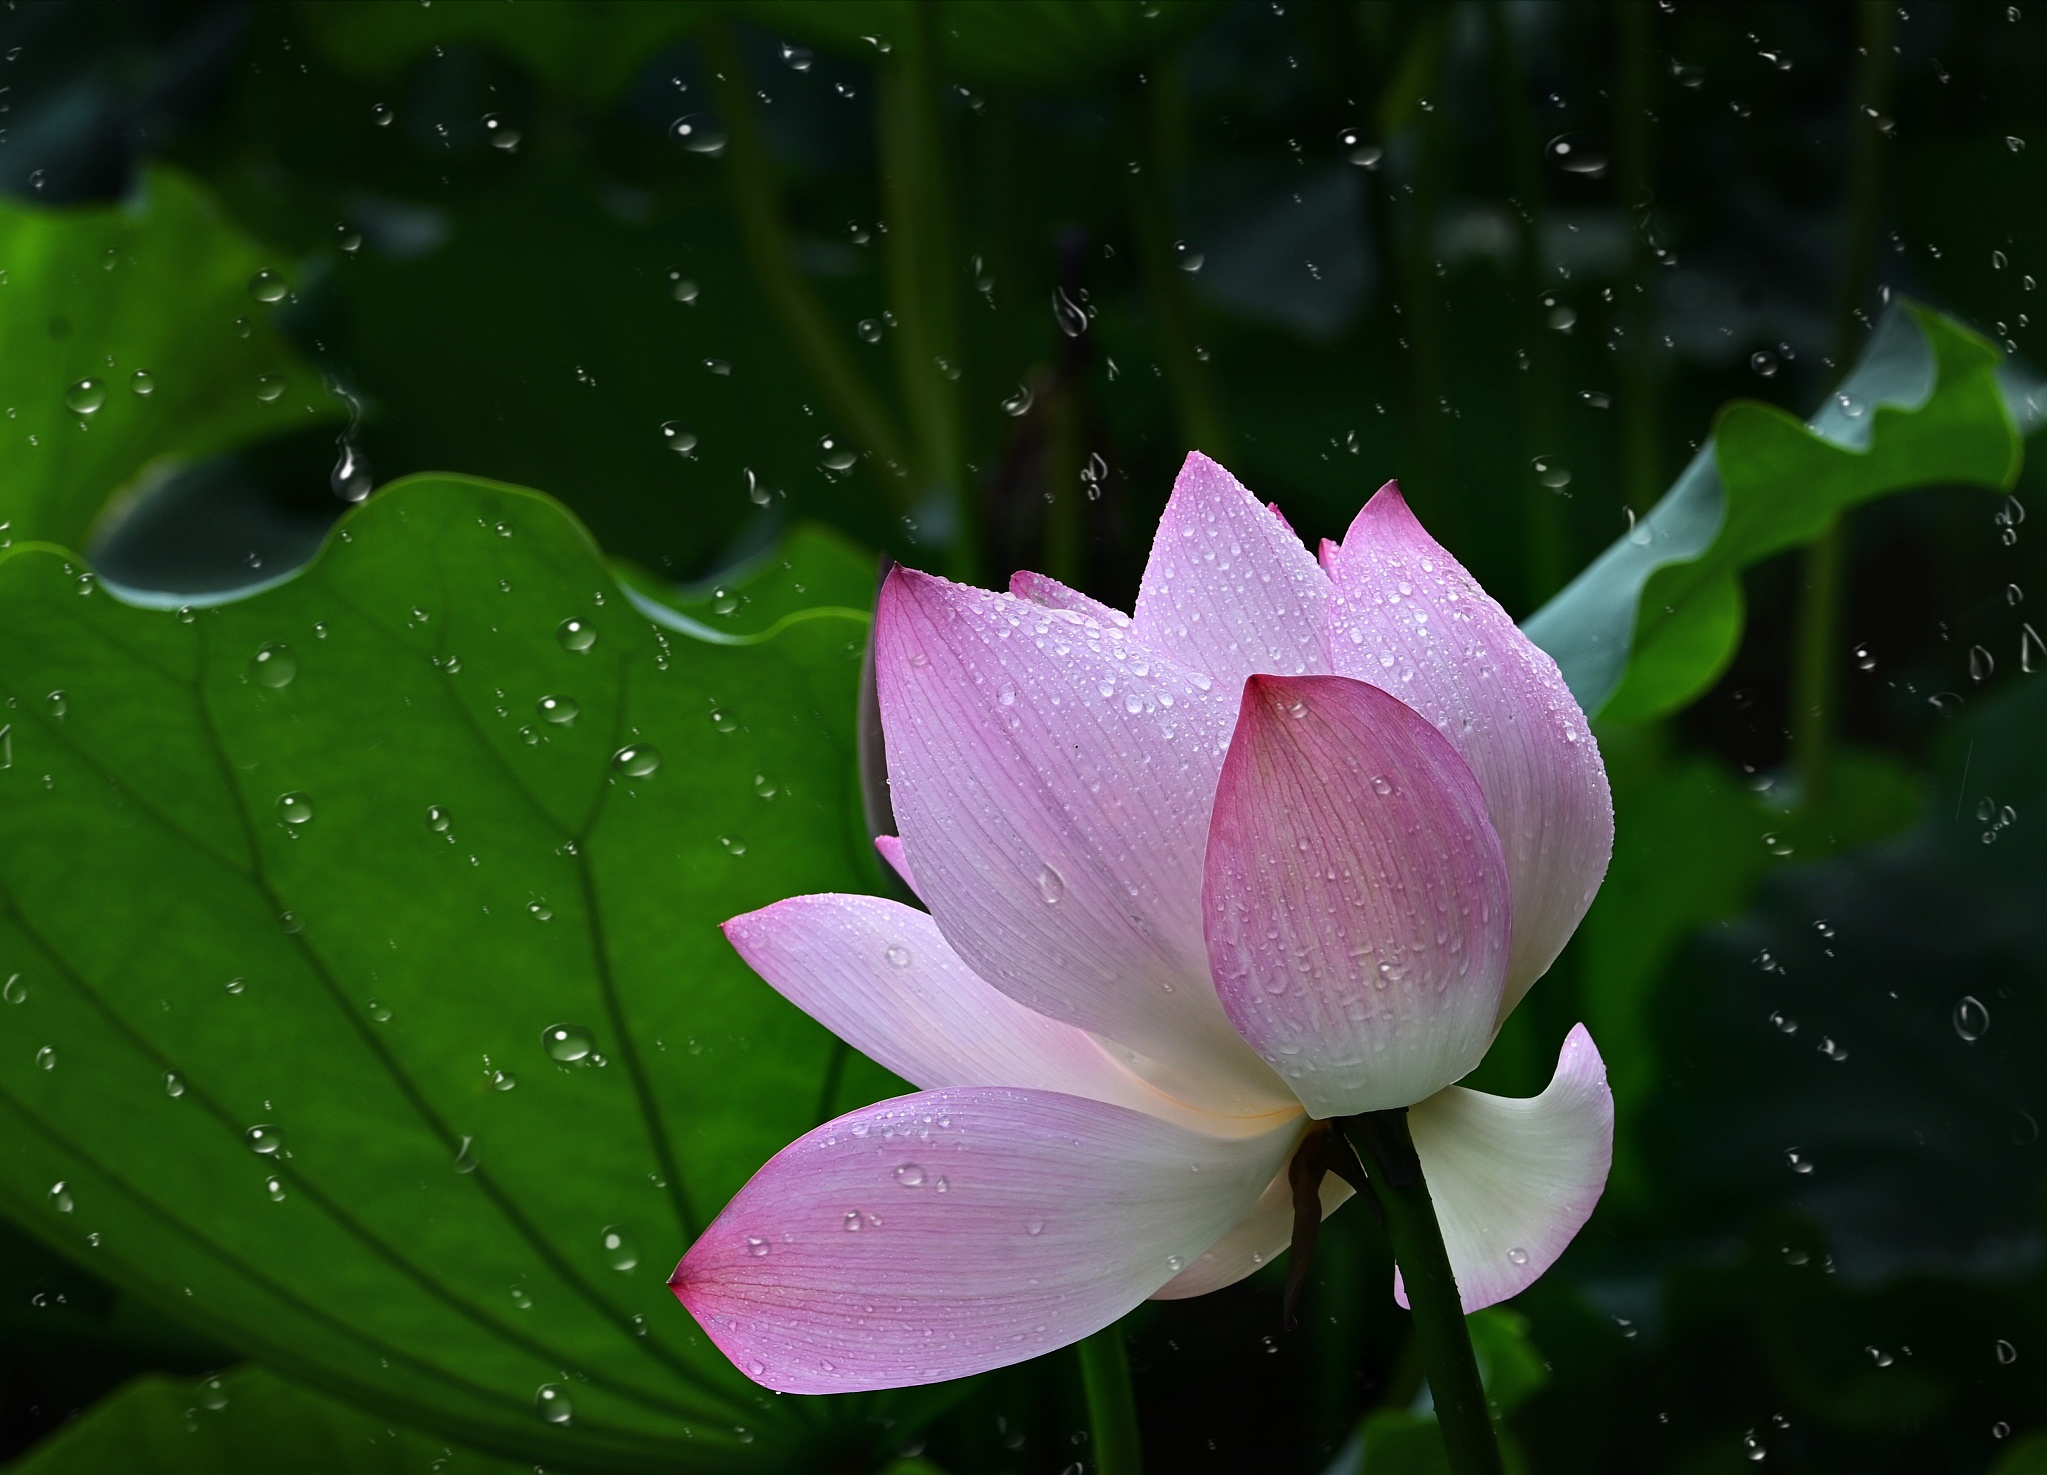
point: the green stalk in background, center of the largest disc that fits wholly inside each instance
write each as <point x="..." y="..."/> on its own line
<point x="822" y="346"/>
<point x="1816" y="655"/>
<point x="1549" y="562"/>
<point x="1111" y="1402"/>
<point x="1634" y="160"/>
<point x="1151" y="125"/>
<point x="923" y="277"/>
<point x="1386" y="1149"/>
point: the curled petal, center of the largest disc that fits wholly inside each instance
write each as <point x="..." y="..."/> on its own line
<point x="1515" y="1180"/>
<point x="1053" y="778"/>
<point x="891" y="848"/>
<point x="1229" y="589"/>
<point x="1355" y="896"/>
<point x="946" y="1233"/>
<point x="880" y="976"/>
<point x="1408" y="618"/>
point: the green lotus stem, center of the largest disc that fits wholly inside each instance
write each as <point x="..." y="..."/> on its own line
<point x="820" y="345"/>
<point x="1816" y="677"/>
<point x="1196" y="405"/>
<point x="923" y="279"/>
<point x="1387" y="1150"/>
<point x="1111" y="1402"/>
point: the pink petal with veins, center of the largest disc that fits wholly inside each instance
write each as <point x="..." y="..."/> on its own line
<point x="1053" y="779"/>
<point x="1409" y="619"/>
<point x="1229" y="589"/>
<point x="1356" y="897"/>
<point x="950" y="1232"/>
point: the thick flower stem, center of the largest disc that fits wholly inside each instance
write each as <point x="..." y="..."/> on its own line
<point x="1387" y="1151"/>
<point x="1111" y="1402"/>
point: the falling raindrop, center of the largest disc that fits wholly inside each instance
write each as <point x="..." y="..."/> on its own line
<point x="1972" y="1020"/>
<point x="700" y="133"/>
<point x="567" y="1043"/>
<point x="273" y="665"/>
<point x="637" y="760"/>
<point x="1068" y="314"/>
<point x="1576" y="153"/>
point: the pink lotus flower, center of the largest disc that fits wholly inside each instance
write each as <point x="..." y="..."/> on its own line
<point x="1285" y="845"/>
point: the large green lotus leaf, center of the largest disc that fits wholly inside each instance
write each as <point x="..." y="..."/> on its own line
<point x="155" y="294"/>
<point x="364" y="989"/>
<point x="245" y="1420"/>
<point x="1653" y="621"/>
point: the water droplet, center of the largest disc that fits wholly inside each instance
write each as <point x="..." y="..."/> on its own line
<point x="273" y="665"/>
<point x="267" y="286"/>
<point x="1972" y="1020"/>
<point x="540" y="911"/>
<point x="2013" y="142"/>
<point x="235" y="985"/>
<point x="2006" y="1353"/>
<point x="898" y="956"/>
<point x="56" y="704"/>
<point x="1576" y="153"/>
<point x="1981" y="663"/>
<point x="567" y="1042"/>
<point x="1777" y="844"/>
<point x="577" y="635"/>
<point x="797" y="57"/>
<point x="1517" y="1256"/>
<point x="294" y="808"/>
<point x="700" y="133"/>
<point x="833" y="455"/>
<point x="1763" y="362"/>
<point x="1358" y="150"/>
<point x="212" y="1395"/>
<point x="852" y="1221"/>
<point x="502" y="134"/>
<point x="637" y="760"/>
<point x="1051" y="885"/>
<point x="2032" y="651"/>
<point x="60" y="1197"/>
<point x="1552" y="473"/>
<point x="85" y="397"/>
<point x="378" y="1010"/>
<point x="142" y="382"/>
<point x="1068" y="314"/>
<point x="561" y="711"/>
<point x="173" y="1084"/>
<point x="14" y="991"/>
<point x="553" y="1402"/>
<point x="910" y="1175"/>
<point x="1034" y="1227"/>
<point x="756" y="1246"/>
<point x="264" y="1139"/>
<point x="868" y="330"/>
<point x="1784" y="1022"/>
<point x="682" y="288"/>
<point x="679" y="438"/>
<point x="270" y="388"/>
<point x="1381" y="784"/>
<point x="1176" y="1263"/>
<point x="620" y="1253"/>
<point x="1831" y="1050"/>
<point x="758" y="492"/>
<point x="439" y="820"/>
<point x="1797" y="1160"/>
<point x="1187" y="258"/>
<point x="1020" y="403"/>
<point x="466" y="1158"/>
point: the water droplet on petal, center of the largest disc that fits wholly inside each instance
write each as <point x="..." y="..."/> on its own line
<point x="1517" y="1256"/>
<point x="910" y="1175"/>
<point x="1051" y="885"/>
<point x="898" y="956"/>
